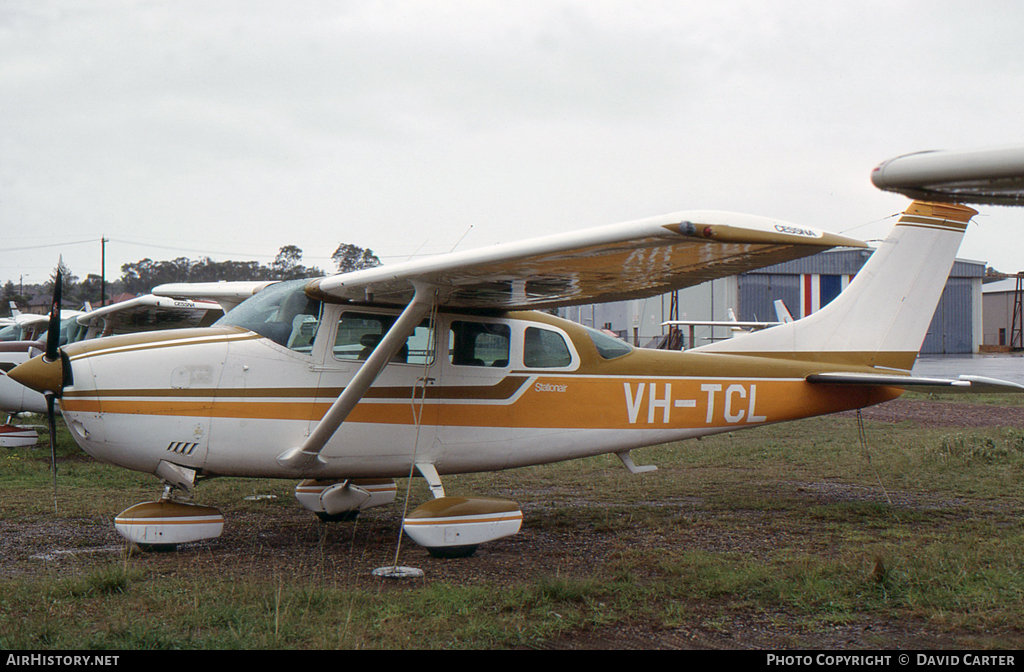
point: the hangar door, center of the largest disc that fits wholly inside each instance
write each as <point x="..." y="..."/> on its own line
<point x="950" y="330"/>
<point x="758" y="292"/>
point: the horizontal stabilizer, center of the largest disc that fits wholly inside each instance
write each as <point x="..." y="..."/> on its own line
<point x="963" y="383"/>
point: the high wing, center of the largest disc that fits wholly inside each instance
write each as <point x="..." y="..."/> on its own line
<point x="987" y="176"/>
<point x="609" y="263"/>
<point x="150" y="312"/>
<point x="226" y="293"/>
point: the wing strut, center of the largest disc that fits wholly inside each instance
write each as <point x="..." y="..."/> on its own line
<point x="306" y="457"/>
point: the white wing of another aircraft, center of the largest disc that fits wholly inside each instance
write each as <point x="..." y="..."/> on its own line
<point x="149" y="312"/>
<point x="735" y="324"/>
<point x="780" y="310"/>
<point x="227" y="293"/>
<point x="985" y="176"/>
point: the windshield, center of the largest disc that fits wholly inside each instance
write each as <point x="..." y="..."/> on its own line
<point x="282" y="312"/>
<point x="71" y="331"/>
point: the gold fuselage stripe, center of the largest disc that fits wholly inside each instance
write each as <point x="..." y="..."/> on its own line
<point x="584" y="402"/>
<point x="610" y="394"/>
<point x="450" y="520"/>
<point x="210" y="520"/>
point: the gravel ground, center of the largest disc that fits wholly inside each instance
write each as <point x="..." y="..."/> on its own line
<point x="292" y="547"/>
<point x="944" y="414"/>
<point x="287" y="542"/>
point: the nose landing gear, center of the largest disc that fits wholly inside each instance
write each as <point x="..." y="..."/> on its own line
<point x="165" y="523"/>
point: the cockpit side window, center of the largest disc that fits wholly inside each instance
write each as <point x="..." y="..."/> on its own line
<point x="544" y="348"/>
<point x="359" y="334"/>
<point x="479" y="344"/>
<point x="282" y="312"/>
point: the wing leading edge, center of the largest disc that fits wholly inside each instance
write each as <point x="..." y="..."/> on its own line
<point x="610" y="263"/>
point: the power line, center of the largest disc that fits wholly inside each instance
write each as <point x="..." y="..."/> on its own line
<point x="191" y="250"/>
<point x="39" y="247"/>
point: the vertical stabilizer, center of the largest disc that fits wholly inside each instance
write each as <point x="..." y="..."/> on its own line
<point x="882" y="317"/>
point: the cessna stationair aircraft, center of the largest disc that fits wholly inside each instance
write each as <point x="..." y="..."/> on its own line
<point x="443" y="366"/>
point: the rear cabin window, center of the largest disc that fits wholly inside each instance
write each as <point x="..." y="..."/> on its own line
<point x="479" y="344"/>
<point x="359" y="334"/>
<point x="545" y="349"/>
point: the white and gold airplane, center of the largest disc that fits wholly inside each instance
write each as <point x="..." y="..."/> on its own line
<point x="445" y="365"/>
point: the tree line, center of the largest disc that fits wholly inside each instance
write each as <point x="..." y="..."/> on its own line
<point x="142" y="276"/>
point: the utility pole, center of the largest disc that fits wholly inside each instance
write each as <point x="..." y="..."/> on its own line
<point x="675" y="334"/>
<point x="103" y="271"/>
<point x="1017" y="321"/>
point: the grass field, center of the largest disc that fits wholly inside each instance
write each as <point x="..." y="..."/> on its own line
<point x="782" y="536"/>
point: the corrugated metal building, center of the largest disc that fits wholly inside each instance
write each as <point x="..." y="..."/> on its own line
<point x="805" y="285"/>
<point x="999" y="303"/>
<point x="812" y="282"/>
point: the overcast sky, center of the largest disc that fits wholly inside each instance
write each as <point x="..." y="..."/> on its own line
<point x="230" y="129"/>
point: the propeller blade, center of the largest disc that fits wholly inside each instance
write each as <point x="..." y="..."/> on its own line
<point x="52" y="355"/>
<point x="51" y="419"/>
<point x="53" y="331"/>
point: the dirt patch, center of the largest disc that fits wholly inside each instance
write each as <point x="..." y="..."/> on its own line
<point x="294" y="547"/>
<point x="943" y="414"/>
<point x="291" y="545"/>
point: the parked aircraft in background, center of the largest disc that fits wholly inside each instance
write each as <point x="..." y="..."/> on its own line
<point x="31" y="327"/>
<point x="144" y="313"/>
<point x="735" y="327"/>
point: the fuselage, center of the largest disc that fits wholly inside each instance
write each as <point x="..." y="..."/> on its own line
<point x="468" y="392"/>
